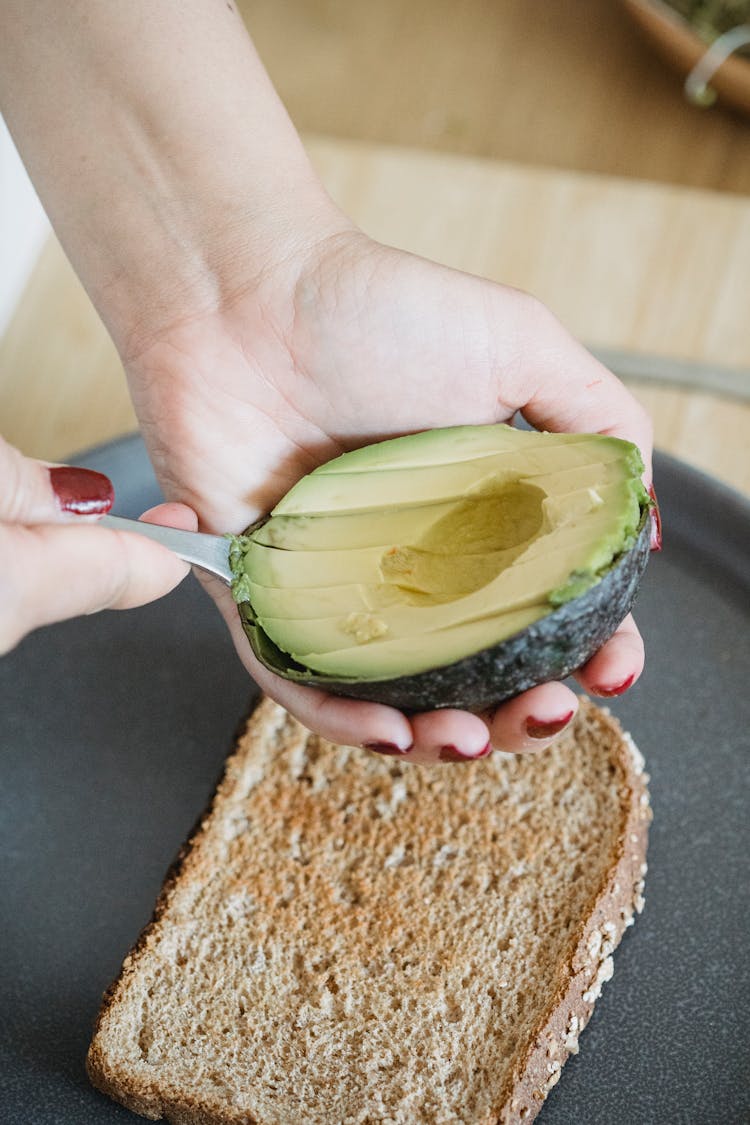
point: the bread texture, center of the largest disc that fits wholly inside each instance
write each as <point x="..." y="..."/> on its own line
<point x="349" y="939"/>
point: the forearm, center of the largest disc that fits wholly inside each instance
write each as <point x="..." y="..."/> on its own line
<point x="160" y="149"/>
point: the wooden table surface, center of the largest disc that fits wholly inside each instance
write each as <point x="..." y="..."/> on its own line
<point x="563" y="84"/>
<point x="627" y="265"/>
<point x="574" y="112"/>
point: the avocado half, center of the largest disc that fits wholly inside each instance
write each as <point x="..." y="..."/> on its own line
<point x="450" y="568"/>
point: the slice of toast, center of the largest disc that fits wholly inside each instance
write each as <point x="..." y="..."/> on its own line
<point x="351" y="939"/>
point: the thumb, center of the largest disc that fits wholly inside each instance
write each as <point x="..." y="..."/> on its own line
<point x="558" y="385"/>
<point x="34" y="493"/>
<point x="50" y="573"/>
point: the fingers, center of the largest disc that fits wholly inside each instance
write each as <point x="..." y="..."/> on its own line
<point x="429" y="737"/>
<point x="34" y="493"/>
<point x="526" y="724"/>
<point x="449" y="736"/>
<point x="617" y="664"/>
<point x="345" y="721"/>
<point x="531" y="721"/>
<point x="49" y="573"/>
<point x="560" y="386"/>
<point x="172" y="515"/>
<point x="350" y="722"/>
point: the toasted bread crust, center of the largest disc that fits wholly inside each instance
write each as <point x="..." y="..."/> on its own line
<point x="614" y="909"/>
<point x="537" y="1068"/>
<point x="118" y="1085"/>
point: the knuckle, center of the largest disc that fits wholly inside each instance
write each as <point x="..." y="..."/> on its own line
<point x="111" y="593"/>
<point x="534" y="315"/>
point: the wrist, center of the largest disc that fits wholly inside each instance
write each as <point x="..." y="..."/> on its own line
<point x="165" y="159"/>
<point x="236" y="248"/>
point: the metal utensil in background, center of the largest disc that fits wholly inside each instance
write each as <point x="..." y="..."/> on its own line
<point x="657" y="369"/>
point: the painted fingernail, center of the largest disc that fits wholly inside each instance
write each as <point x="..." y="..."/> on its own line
<point x="655" y="521"/>
<point x="81" y="491"/>
<point x="451" y="753"/>
<point x="617" y="689"/>
<point x="389" y="748"/>
<point x="538" y="728"/>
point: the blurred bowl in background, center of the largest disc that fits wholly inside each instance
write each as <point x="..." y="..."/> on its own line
<point x="675" y="39"/>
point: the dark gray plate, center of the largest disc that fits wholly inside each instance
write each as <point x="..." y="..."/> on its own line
<point x="114" y="729"/>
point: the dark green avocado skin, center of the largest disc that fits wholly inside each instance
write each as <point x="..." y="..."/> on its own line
<point x="550" y="649"/>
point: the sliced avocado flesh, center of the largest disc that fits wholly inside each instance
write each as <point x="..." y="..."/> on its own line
<point x="414" y="553"/>
<point x="361" y="491"/>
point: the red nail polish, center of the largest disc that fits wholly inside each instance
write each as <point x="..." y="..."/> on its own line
<point x="536" y="728"/>
<point x="81" y="491"/>
<point x="655" y="521"/>
<point x="451" y="753"/>
<point x="389" y="748"/>
<point x="618" y="689"/>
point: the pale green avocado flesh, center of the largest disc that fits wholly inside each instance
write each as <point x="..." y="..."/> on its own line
<point x="417" y="552"/>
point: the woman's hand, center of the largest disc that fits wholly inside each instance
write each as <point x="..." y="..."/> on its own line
<point x="350" y="343"/>
<point x="52" y="568"/>
<point x="264" y="334"/>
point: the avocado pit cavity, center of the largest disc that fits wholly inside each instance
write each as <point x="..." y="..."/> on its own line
<point x="466" y="548"/>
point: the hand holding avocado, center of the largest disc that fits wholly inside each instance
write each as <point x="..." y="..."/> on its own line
<point x="379" y="343"/>
<point x="264" y="334"/>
